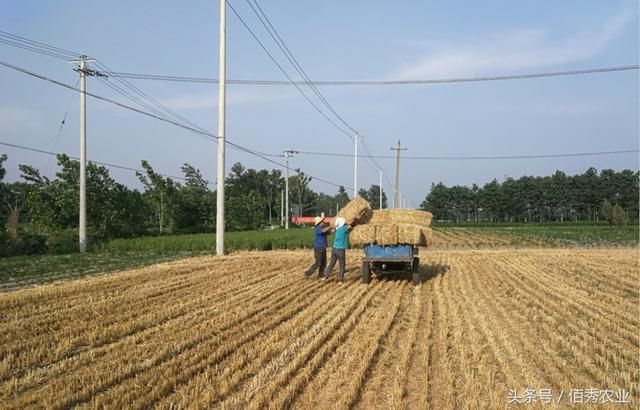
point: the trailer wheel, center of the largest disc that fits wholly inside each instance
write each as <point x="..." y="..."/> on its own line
<point x="416" y="278"/>
<point x="415" y="271"/>
<point x="366" y="273"/>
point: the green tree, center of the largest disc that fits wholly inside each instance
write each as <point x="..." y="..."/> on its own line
<point x="3" y="171"/>
<point x="160" y="195"/>
<point x="302" y="195"/>
<point x="437" y="202"/>
<point x="44" y="214"/>
<point x="243" y="212"/>
<point x="619" y="217"/>
<point x="606" y="210"/>
<point x="325" y="204"/>
<point x="194" y="203"/>
<point x="372" y="195"/>
<point x="342" y="197"/>
<point x="490" y="200"/>
<point x="273" y="185"/>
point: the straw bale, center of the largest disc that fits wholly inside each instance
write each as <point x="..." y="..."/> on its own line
<point x="399" y="216"/>
<point x="357" y="208"/>
<point x="387" y="234"/>
<point x="427" y="234"/>
<point x="363" y="235"/>
<point x="410" y="234"/>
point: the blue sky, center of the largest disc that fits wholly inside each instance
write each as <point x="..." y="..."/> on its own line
<point x="336" y="40"/>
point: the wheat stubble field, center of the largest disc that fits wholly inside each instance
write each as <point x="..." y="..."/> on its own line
<point x="246" y="331"/>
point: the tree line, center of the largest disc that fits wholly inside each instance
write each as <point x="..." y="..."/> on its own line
<point x="41" y="214"/>
<point x="590" y="196"/>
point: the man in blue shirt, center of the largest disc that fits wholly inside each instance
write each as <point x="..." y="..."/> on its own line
<point x="321" y="231"/>
<point x="340" y="245"/>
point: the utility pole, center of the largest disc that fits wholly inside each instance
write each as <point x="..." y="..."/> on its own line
<point x="161" y="211"/>
<point x="380" y="186"/>
<point x="222" y="102"/>
<point x="281" y="207"/>
<point x="287" y="153"/>
<point x="355" y="166"/>
<point x="84" y="72"/>
<point x="397" y="187"/>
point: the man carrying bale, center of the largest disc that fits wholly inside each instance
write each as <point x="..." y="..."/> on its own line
<point x="340" y="245"/>
<point x="321" y="230"/>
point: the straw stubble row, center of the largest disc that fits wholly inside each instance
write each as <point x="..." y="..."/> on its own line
<point x="213" y="332"/>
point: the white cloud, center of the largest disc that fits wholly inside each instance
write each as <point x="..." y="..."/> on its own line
<point x="516" y="50"/>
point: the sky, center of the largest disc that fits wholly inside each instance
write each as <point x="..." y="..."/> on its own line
<point x="335" y="40"/>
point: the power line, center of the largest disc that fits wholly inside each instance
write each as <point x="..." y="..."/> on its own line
<point x="273" y="32"/>
<point x="292" y="59"/>
<point x="494" y="157"/>
<point x="208" y="136"/>
<point x="38" y="44"/>
<point x="291" y="81"/>
<point x="174" y="78"/>
<point x="204" y="134"/>
<point x="153" y="102"/>
<point x="265" y="157"/>
<point x="33" y="49"/>
<point x="127" y="168"/>
<point x="58" y="52"/>
<point x="53" y="51"/>
<point x="106" y="164"/>
<point x="62" y="123"/>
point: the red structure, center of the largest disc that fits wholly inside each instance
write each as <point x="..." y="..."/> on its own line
<point x="308" y="220"/>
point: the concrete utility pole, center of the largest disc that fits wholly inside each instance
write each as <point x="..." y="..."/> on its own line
<point x="222" y="102"/>
<point x="287" y="153"/>
<point x="84" y="72"/>
<point x="355" y="166"/>
<point x="397" y="187"/>
<point x="380" y="186"/>
<point x="282" y="207"/>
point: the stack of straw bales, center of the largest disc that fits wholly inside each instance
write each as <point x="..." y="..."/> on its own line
<point x="392" y="227"/>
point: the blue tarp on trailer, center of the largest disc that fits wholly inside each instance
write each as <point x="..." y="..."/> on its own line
<point x="395" y="253"/>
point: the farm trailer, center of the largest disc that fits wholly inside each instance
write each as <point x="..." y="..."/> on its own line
<point x="390" y="259"/>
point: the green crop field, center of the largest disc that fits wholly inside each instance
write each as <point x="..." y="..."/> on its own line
<point x="234" y="241"/>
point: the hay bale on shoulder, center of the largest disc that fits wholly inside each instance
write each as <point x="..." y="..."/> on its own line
<point x="362" y="235"/>
<point x="357" y="208"/>
<point x="387" y="234"/>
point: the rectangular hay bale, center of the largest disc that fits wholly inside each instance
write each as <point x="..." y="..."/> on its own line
<point x="387" y="234"/>
<point x="362" y="235"/>
<point x="399" y="216"/>
<point x="427" y="234"/>
<point x="410" y="234"/>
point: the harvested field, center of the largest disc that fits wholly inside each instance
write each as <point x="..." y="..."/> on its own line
<point x="463" y="238"/>
<point x="246" y="331"/>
